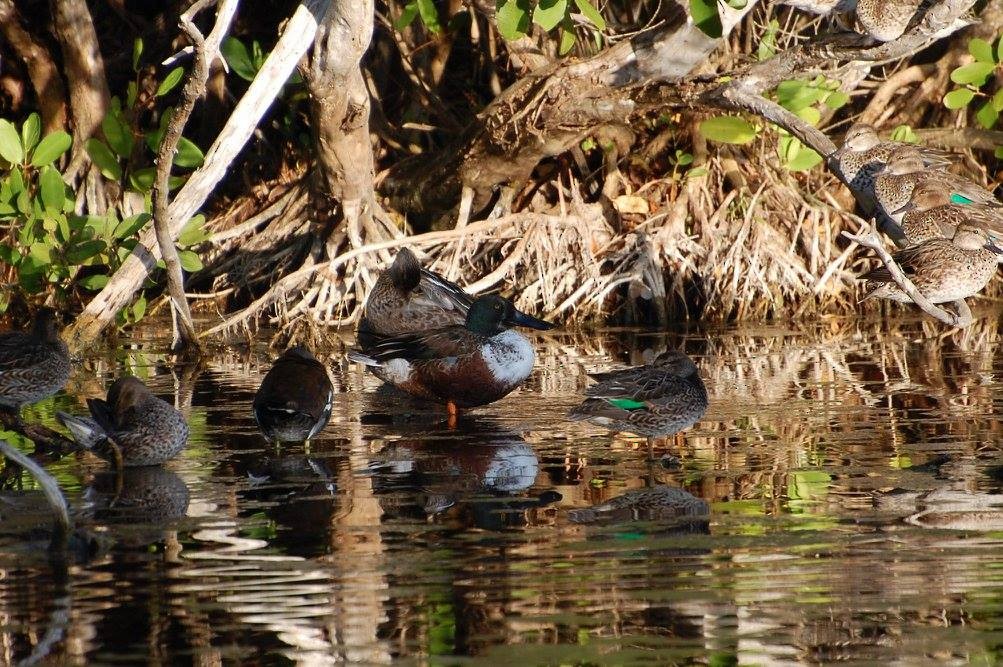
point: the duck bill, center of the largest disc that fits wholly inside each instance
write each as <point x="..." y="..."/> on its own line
<point x="993" y="247"/>
<point x="902" y="209"/>
<point x="521" y="319"/>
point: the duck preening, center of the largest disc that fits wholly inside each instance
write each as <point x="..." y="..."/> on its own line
<point x="146" y="430"/>
<point x="294" y="401"/>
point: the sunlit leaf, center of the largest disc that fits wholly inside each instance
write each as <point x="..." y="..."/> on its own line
<point x="172" y="79"/>
<point x="987" y="116"/>
<point x="513" y="18"/>
<point x="104" y="159"/>
<point x="238" y="58"/>
<point x="131" y="225"/>
<point x="52" y="189"/>
<point x="768" y="44"/>
<point x="31" y="131"/>
<point x="142" y="179"/>
<point x="728" y="129"/>
<point x="193" y="232"/>
<point x="118" y="134"/>
<point x="51" y="148"/>
<point x="975" y="74"/>
<point x="568" y="38"/>
<point x="81" y="252"/>
<point x="137" y="53"/>
<point x="95" y="282"/>
<point x="429" y="15"/>
<point x="905" y="134"/>
<point x="188" y="154"/>
<point x="190" y="262"/>
<point x="958" y="98"/>
<point x="981" y="50"/>
<point x="139" y="308"/>
<point x="549" y="13"/>
<point x="836" y="99"/>
<point x="407" y="16"/>
<point x="10" y="143"/>
<point x="591" y="13"/>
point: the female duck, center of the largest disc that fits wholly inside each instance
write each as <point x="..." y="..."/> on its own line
<point x="465" y="366"/>
<point x="654" y="401"/>
<point x="34" y="364"/>
<point x="409" y="299"/>
<point x="146" y="429"/>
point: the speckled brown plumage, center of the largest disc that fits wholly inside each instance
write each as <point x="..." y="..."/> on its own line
<point x="885" y="20"/>
<point x="33" y="364"/>
<point x="930" y="213"/>
<point x="147" y="429"/>
<point x="942" y="270"/>
<point x="652" y="503"/>
<point x="671" y="397"/>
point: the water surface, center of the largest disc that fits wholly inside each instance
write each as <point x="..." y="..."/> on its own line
<point x="852" y="472"/>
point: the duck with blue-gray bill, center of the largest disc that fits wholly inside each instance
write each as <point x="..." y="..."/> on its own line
<point x="943" y="270"/>
<point x="34" y="364"/>
<point x="146" y="430"/>
<point x="408" y="299"/>
<point x="462" y="366"/>
<point x="905" y="170"/>
<point x="294" y="401"/>
<point x="656" y="400"/>
<point x="864" y="154"/>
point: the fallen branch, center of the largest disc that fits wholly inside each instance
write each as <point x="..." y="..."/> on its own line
<point x="49" y="486"/>
<point x="181" y="317"/>
<point x="292" y="45"/>
<point x="867" y="238"/>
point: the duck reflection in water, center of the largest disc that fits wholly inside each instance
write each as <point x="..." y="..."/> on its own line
<point x="656" y="400"/>
<point x="481" y="476"/>
<point x="294" y="401"/>
<point x="655" y="503"/>
<point x="149" y="495"/>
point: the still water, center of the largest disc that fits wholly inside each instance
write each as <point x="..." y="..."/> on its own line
<point x="851" y="470"/>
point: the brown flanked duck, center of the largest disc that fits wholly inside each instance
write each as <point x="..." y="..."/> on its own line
<point x="408" y="299"/>
<point x="462" y="366"/>
<point x="34" y="364"/>
<point x="294" y="401"/>
<point x="147" y="430"/>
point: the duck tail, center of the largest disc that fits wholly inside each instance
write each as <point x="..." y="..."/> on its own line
<point x="85" y="431"/>
<point x="358" y="357"/>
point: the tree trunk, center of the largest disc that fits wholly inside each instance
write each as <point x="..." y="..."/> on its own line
<point x="41" y="69"/>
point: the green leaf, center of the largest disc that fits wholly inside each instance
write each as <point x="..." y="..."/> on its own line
<point x="188" y="154"/>
<point x="139" y="308"/>
<point x="118" y="134"/>
<point x="142" y="179"/>
<point x="810" y="115"/>
<point x="512" y="18"/>
<point x="591" y="13"/>
<point x="10" y="143"/>
<point x="997" y="100"/>
<point x="41" y="252"/>
<point x="172" y="79"/>
<point x="16" y="181"/>
<point x="737" y="4"/>
<point x="805" y="160"/>
<point x="958" y="98"/>
<point x="768" y="44"/>
<point x="981" y="50"/>
<point x="705" y="16"/>
<point x="131" y="225"/>
<point x="788" y="149"/>
<point x="987" y="116"/>
<point x="429" y="15"/>
<point x="132" y="92"/>
<point x="190" y="262"/>
<point x="999" y="50"/>
<point x="407" y="16"/>
<point x="137" y="53"/>
<point x="795" y="95"/>
<point x="81" y="252"/>
<point x="568" y="37"/>
<point x="51" y="148"/>
<point x="193" y="232"/>
<point x="905" y="134"/>
<point x="239" y="59"/>
<point x="975" y="74"/>
<point x="836" y="99"/>
<point x="52" y="189"/>
<point x="549" y="13"/>
<point x="31" y="131"/>
<point x="94" y="283"/>
<point x="104" y="159"/>
<point x="728" y="130"/>
<point x="998" y="152"/>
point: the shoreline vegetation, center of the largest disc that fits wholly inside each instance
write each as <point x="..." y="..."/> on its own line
<point x="611" y="164"/>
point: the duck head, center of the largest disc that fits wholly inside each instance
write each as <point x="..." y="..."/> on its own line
<point x="488" y="313"/>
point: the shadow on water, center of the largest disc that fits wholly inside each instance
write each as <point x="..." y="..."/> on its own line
<point x="841" y="499"/>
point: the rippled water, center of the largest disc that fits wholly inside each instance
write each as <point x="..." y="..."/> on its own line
<point x="852" y="472"/>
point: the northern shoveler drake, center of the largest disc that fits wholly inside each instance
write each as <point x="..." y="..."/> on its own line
<point x="934" y="211"/>
<point x="905" y="170"/>
<point x="942" y="270"/>
<point x="147" y="430"/>
<point x="33" y="364"/>
<point x="294" y="401"/>
<point x="465" y="366"/>
<point x="408" y="299"/>
<point x="655" y="400"/>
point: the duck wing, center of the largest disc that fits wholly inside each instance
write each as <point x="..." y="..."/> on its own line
<point x="437" y="344"/>
<point x="641" y="384"/>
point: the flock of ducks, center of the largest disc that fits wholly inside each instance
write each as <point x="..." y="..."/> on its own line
<point x="420" y="333"/>
<point x="948" y="222"/>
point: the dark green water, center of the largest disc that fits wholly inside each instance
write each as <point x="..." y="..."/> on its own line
<point x="851" y="470"/>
